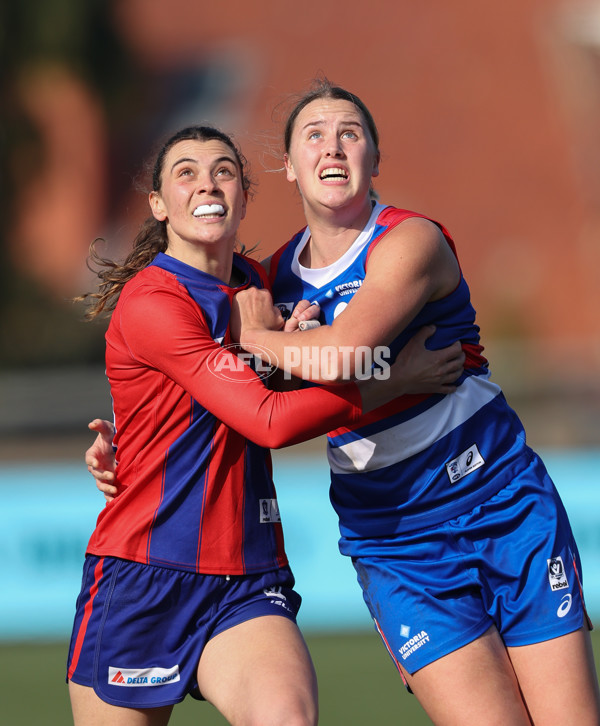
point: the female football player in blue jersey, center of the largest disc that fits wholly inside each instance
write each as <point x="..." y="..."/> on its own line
<point x="186" y="585"/>
<point x="460" y="542"/>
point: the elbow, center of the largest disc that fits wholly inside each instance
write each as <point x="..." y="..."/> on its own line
<point x="274" y="440"/>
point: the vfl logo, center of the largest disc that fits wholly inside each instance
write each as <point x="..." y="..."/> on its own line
<point x="229" y="361"/>
<point x="269" y="511"/>
<point x="556" y="574"/>
<point x="565" y="605"/>
<point x="285" y="309"/>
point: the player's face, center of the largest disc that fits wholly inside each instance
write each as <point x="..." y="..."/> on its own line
<point x="201" y="197"/>
<point x="332" y="156"/>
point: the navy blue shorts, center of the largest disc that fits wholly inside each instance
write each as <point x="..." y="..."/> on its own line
<point x="511" y="562"/>
<point x="140" y="630"/>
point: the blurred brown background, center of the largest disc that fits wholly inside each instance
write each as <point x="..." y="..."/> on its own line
<point x="489" y="115"/>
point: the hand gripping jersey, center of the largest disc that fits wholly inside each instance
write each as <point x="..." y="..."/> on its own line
<point x="418" y="460"/>
<point x="191" y="421"/>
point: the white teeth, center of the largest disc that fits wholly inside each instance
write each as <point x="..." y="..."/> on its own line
<point x="208" y="210"/>
<point x="333" y="171"/>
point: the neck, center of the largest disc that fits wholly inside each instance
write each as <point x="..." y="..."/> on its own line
<point x="331" y="236"/>
<point x="214" y="260"/>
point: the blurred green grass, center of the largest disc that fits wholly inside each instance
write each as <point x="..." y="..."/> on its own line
<point x="357" y="680"/>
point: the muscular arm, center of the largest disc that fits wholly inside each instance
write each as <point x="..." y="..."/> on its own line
<point x="411" y="266"/>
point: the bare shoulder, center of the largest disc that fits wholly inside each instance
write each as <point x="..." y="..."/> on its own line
<point x="416" y="250"/>
<point x="414" y="238"/>
<point x="417" y="230"/>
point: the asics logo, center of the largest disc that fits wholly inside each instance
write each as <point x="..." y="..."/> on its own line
<point x="565" y="606"/>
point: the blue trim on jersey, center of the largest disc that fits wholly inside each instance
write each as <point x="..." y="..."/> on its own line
<point x="206" y="290"/>
<point x="417" y="491"/>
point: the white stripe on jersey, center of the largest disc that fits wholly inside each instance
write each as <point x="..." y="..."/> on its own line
<point x="408" y="438"/>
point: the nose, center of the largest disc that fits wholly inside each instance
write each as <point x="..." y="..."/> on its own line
<point x="206" y="182"/>
<point x="333" y="147"/>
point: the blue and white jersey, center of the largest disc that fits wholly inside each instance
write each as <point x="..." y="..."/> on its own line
<point x="418" y="460"/>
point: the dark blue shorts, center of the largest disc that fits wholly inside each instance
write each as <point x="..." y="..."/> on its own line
<point x="511" y="562"/>
<point x="140" y="630"/>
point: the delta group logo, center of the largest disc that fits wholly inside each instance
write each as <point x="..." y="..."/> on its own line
<point x="142" y="677"/>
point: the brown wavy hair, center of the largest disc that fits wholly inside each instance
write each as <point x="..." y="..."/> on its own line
<point x="152" y="235"/>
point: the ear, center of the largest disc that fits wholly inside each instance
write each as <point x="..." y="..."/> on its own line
<point x="376" y="161"/>
<point x="289" y="169"/>
<point x="244" y="205"/>
<point x="156" y="205"/>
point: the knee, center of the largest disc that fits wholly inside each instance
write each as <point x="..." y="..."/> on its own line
<point x="299" y="715"/>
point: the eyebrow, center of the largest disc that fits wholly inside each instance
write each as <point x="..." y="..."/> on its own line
<point x="320" y="122"/>
<point x="189" y="160"/>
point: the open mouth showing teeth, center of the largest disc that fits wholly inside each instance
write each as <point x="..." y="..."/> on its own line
<point x="209" y="210"/>
<point x="334" y="173"/>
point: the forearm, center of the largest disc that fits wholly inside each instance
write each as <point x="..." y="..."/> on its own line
<point x="313" y="355"/>
<point x="288" y="418"/>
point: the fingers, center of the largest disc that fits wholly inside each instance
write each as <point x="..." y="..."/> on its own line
<point x="453" y="356"/>
<point x="306" y="310"/>
<point x="101" y="475"/>
<point x="452" y="371"/>
<point x="457" y="353"/>
<point x="100" y="426"/>
<point x="449" y="368"/>
<point x="107" y="489"/>
<point x="290" y="325"/>
<point x="253" y="308"/>
<point x="103" y="482"/>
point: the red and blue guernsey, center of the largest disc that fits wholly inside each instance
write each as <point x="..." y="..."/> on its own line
<point x="418" y="460"/>
<point x="192" y="421"/>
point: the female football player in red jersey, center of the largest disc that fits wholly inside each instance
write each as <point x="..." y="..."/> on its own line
<point x="186" y="585"/>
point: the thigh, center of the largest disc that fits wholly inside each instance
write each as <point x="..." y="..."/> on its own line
<point x="475" y="684"/>
<point x="522" y="545"/>
<point x="89" y="710"/>
<point x="425" y="602"/>
<point x="120" y="603"/>
<point x="260" y="671"/>
<point x="558" y="680"/>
